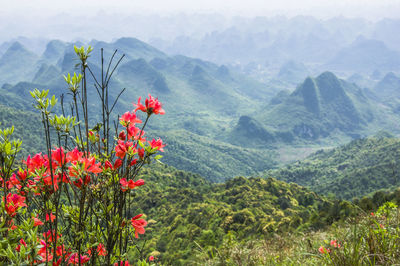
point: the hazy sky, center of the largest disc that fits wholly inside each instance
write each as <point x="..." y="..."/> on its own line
<point x="372" y="9"/>
<point x="109" y="19"/>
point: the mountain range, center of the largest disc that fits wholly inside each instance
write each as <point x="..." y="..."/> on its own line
<point x="219" y="122"/>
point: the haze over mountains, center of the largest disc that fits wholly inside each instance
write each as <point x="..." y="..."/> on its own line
<point x="273" y="83"/>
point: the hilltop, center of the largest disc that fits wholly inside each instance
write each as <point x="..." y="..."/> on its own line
<point x="353" y="170"/>
<point x="187" y="212"/>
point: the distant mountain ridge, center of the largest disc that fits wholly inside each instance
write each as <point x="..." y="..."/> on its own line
<point x="200" y="98"/>
<point x="316" y="109"/>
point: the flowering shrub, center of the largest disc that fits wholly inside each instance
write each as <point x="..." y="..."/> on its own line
<point x="70" y="205"/>
<point x="375" y="240"/>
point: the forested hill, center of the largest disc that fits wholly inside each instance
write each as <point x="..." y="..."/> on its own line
<point x="186" y="212"/>
<point x="353" y="170"/>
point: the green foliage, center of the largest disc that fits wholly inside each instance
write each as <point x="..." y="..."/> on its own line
<point x="353" y="170"/>
<point x="190" y="213"/>
<point x="368" y="239"/>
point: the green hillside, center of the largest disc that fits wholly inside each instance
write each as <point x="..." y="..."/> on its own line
<point x="27" y="127"/>
<point x="186" y="212"/>
<point x="353" y="170"/>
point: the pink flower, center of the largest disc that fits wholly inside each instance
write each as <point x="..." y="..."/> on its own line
<point x="151" y="258"/>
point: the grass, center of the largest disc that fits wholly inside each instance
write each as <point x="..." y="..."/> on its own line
<point x="369" y="239"/>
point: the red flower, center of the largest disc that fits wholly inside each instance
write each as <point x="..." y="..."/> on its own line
<point x="152" y="106"/>
<point x="58" y="156"/>
<point x="74" y="155"/>
<point x="117" y="164"/>
<point x="129" y="119"/>
<point x="60" y="250"/>
<point x="335" y="244"/>
<point x="141" y="153"/>
<point x="324" y="250"/>
<point x="151" y="258"/>
<point x="22" y="242"/>
<point x="138" y="224"/>
<point x="122" y="135"/>
<point x="122" y="263"/>
<point x="124" y="184"/>
<point x="130" y="184"/>
<point x="101" y="250"/>
<point x="157" y="144"/>
<point x="22" y="175"/>
<point x="37" y="222"/>
<point x="121" y="149"/>
<point x="107" y="165"/>
<point x="51" y="216"/>
<point x="139" y="183"/>
<point x="133" y="162"/>
<point x="14" y="202"/>
<point x="74" y="259"/>
<point x="136" y="133"/>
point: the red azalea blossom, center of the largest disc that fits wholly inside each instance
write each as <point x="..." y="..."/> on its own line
<point x="157" y="144"/>
<point x="52" y="217"/>
<point x="324" y="250"/>
<point x="117" y="164"/>
<point x="22" y="242"/>
<point x="36" y="162"/>
<point x="58" y="156"/>
<point x="130" y="184"/>
<point x="136" y="133"/>
<point x="129" y="119"/>
<point x="141" y="153"/>
<point x="37" y="222"/>
<point x="74" y="259"/>
<point x="22" y="175"/>
<point x="122" y="263"/>
<point x="138" y="224"/>
<point x="14" y="202"/>
<point x="74" y="155"/>
<point x="152" y="106"/>
<point x="121" y="149"/>
<point x="122" y="135"/>
<point x="133" y="162"/>
<point x="108" y="165"/>
<point x="335" y="244"/>
<point x="101" y="250"/>
<point x="46" y="256"/>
